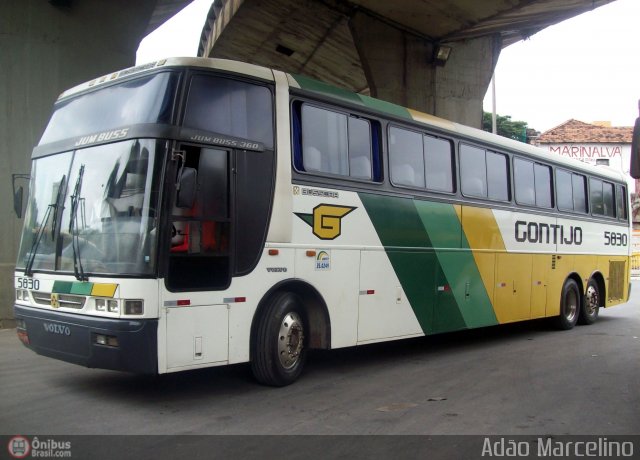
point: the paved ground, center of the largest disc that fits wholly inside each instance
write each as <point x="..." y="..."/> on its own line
<point x="510" y="380"/>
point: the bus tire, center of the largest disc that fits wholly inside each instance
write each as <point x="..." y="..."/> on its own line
<point x="590" y="304"/>
<point x="569" y="305"/>
<point x="279" y="346"/>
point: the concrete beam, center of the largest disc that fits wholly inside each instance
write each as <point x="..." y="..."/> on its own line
<point x="46" y="49"/>
<point x="400" y="68"/>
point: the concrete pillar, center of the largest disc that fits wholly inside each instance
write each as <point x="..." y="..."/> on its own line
<point x="46" y="48"/>
<point x="399" y="67"/>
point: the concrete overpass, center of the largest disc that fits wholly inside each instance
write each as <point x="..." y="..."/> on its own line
<point x="384" y="47"/>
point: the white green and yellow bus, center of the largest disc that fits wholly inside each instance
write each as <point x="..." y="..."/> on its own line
<point x="197" y="212"/>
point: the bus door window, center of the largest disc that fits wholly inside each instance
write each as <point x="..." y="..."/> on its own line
<point x="199" y="254"/>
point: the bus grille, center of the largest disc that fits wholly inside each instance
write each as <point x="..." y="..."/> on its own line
<point x="616" y="280"/>
<point x="65" y="300"/>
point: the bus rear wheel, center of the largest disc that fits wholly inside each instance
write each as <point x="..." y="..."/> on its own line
<point x="569" y="305"/>
<point x="279" y="351"/>
<point x="590" y="304"/>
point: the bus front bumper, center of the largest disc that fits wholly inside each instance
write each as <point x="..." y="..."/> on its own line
<point x="104" y="343"/>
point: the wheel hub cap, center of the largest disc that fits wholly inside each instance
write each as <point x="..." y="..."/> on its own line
<point x="592" y="300"/>
<point x="290" y="340"/>
<point x="572" y="306"/>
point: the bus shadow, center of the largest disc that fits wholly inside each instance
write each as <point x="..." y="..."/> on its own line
<point x="237" y="380"/>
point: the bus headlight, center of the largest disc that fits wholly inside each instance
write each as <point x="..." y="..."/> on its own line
<point x="101" y="304"/>
<point x="133" y="307"/>
<point x="109" y="305"/>
<point x="112" y="306"/>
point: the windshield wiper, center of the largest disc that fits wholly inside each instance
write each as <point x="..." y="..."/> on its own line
<point x="78" y="271"/>
<point x="28" y="269"/>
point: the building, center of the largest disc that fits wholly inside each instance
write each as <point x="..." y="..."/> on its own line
<point x="598" y="143"/>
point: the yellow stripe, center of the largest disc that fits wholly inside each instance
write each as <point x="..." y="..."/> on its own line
<point x="486" y="243"/>
<point x="431" y="119"/>
<point x="104" y="290"/>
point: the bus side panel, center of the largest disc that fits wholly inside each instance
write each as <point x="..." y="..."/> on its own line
<point x="384" y="310"/>
<point x="540" y="268"/>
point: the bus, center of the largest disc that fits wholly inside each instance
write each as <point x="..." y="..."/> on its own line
<point x="196" y="212"/>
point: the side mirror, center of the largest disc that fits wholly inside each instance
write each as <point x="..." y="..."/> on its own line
<point x="18" y="193"/>
<point x="187" y="187"/>
<point x="17" y="201"/>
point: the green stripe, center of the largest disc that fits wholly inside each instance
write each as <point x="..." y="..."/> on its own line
<point x="324" y="88"/>
<point x="82" y="288"/>
<point x="382" y="106"/>
<point x="386" y="107"/>
<point x="62" y="287"/>
<point x="427" y="249"/>
<point x="416" y="264"/>
<point x="443" y="226"/>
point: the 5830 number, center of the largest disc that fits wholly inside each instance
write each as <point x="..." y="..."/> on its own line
<point x="615" y="239"/>
<point x="29" y="283"/>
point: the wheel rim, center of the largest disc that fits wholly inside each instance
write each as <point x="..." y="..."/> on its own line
<point x="290" y="340"/>
<point x="592" y="302"/>
<point x="571" y="305"/>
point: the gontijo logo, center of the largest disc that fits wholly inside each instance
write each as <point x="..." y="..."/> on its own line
<point x="326" y="220"/>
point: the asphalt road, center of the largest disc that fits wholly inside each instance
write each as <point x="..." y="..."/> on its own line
<point x="518" y="379"/>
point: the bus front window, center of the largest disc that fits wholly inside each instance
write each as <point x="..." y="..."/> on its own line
<point x="108" y="221"/>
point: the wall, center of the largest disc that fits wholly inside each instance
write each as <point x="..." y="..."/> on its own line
<point x="45" y="49"/>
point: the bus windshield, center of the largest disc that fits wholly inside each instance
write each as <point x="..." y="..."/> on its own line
<point x="93" y="211"/>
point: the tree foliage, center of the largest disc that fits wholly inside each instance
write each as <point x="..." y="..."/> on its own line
<point x="506" y="126"/>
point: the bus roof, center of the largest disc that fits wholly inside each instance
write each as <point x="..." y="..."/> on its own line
<point x="243" y="68"/>
<point x="339" y="94"/>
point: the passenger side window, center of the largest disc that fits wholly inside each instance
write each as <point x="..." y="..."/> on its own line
<point x="532" y="183"/>
<point x="484" y="174"/>
<point x="621" y="202"/>
<point x="608" y="199"/>
<point x="579" y="184"/>
<point x="360" y="148"/>
<point x="406" y="157"/>
<point x="602" y="199"/>
<point x="544" y="188"/>
<point x="597" y="205"/>
<point x="524" y="182"/>
<point x="324" y="141"/>
<point x="564" y="190"/>
<point x="497" y="176"/>
<point x="571" y="191"/>
<point x="439" y="164"/>
<point x="473" y="171"/>
<point x="419" y="160"/>
<point x="334" y="143"/>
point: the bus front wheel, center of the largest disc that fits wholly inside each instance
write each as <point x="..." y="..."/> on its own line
<point x="590" y="304"/>
<point x="279" y="351"/>
<point x="569" y="305"/>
